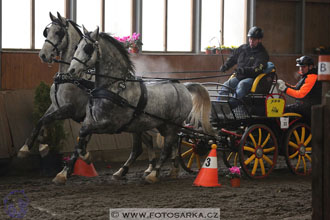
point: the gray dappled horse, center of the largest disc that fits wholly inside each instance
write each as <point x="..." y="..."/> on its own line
<point x="120" y="102"/>
<point x="68" y="101"/>
<point x="69" y="98"/>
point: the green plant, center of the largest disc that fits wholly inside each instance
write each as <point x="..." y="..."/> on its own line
<point x="53" y="134"/>
<point x="210" y="48"/>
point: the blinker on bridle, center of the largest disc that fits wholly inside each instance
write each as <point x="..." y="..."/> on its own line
<point x="88" y="49"/>
<point x="60" y="34"/>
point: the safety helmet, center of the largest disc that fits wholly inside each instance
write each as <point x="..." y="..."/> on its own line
<point x="305" y="61"/>
<point x="255" y="32"/>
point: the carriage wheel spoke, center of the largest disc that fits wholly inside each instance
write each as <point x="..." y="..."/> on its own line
<point x="255" y="166"/>
<point x="304" y="162"/>
<point x="236" y="159"/>
<point x="187" y="152"/>
<point x="229" y="156"/>
<point x="308" y="157"/>
<point x="266" y="140"/>
<point x="308" y="149"/>
<point x="268" y="149"/>
<point x="260" y="135"/>
<point x="269" y="161"/>
<point x="308" y="140"/>
<point x="198" y="161"/>
<point x="298" y="163"/>
<point x="250" y="159"/>
<point x="191" y="159"/>
<point x="294" y="155"/>
<point x="302" y="134"/>
<point x="297" y="136"/>
<point x="262" y="166"/>
<point x="250" y="149"/>
<point x="294" y="145"/>
<point x="253" y="140"/>
<point x="185" y="143"/>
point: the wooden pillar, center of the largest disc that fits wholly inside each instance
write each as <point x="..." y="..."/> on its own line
<point x="321" y="151"/>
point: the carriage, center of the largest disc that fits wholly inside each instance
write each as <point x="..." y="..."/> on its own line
<point x="253" y="134"/>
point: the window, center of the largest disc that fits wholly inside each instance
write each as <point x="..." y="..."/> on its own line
<point x="89" y="14"/>
<point x="42" y="9"/>
<point x="16" y="24"/>
<point x="233" y="33"/>
<point x="179" y="25"/>
<point x="118" y="17"/>
<point x="153" y="19"/>
<point x="210" y="31"/>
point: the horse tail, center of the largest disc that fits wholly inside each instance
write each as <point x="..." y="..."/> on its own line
<point x="201" y="110"/>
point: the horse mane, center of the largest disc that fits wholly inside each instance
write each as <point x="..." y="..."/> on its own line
<point x="76" y="27"/>
<point x="74" y="24"/>
<point x="122" y="50"/>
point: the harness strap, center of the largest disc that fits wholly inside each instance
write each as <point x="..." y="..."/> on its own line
<point x="115" y="98"/>
<point x="83" y="84"/>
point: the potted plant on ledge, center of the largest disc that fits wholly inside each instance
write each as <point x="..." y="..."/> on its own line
<point x="234" y="175"/>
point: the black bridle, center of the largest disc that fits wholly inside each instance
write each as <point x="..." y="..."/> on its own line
<point x="61" y="34"/>
<point x="88" y="49"/>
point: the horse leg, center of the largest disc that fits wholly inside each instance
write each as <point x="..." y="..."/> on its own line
<point x="80" y="150"/>
<point x="135" y="153"/>
<point x="25" y="149"/>
<point x="174" y="173"/>
<point x="147" y="140"/>
<point x="170" y="139"/>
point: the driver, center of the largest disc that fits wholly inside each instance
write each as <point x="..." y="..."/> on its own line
<point x="251" y="60"/>
<point x="307" y="91"/>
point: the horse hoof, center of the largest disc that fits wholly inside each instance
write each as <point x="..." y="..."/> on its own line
<point x="23" y="152"/>
<point x="118" y="175"/>
<point x="174" y="173"/>
<point x="60" y="179"/>
<point x="43" y="149"/>
<point x="152" y="177"/>
<point x="87" y="158"/>
<point x="148" y="171"/>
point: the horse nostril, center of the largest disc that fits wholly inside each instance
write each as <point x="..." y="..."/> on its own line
<point x="71" y="71"/>
<point x="43" y="56"/>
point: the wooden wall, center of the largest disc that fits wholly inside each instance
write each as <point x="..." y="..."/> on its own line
<point x="280" y="20"/>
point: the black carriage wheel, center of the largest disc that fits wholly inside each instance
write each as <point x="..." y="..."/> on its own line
<point x="258" y="151"/>
<point x="298" y="149"/>
<point x="192" y="153"/>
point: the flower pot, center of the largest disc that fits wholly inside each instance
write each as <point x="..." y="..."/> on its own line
<point x="134" y="50"/>
<point x="235" y="182"/>
<point x="208" y="52"/>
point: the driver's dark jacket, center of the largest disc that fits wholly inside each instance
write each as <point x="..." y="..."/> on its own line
<point x="250" y="61"/>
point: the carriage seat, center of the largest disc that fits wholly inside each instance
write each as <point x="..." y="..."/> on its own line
<point x="264" y="81"/>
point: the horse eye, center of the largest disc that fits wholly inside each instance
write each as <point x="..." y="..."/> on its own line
<point x="45" y="33"/>
<point x="88" y="48"/>
<point x="60" y="33"/>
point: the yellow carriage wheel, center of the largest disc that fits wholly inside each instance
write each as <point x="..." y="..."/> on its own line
<point x="298" y="149"/>
<point x="230" y="158"/>
<point x="192" y="153"/>
<point x="258" y="151"/>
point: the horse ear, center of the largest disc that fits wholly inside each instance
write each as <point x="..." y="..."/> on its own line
<point x="61" y="19"/>
<point x="95" y="34"/>
<point x="85" y="30"/>
<point x="52" y="17"/>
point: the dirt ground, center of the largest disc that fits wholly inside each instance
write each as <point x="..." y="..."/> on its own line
<point x="280" y="196"/>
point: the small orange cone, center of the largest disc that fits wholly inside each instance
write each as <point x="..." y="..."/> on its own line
<point x="208" y="175"/>
<point x="81" y="168"/>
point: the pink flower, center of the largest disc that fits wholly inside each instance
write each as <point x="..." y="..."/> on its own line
<point x="235" y="170"/>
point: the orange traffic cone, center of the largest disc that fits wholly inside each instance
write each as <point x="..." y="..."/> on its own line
<point x="81" y="168"/>
<point x="208" y="175"/>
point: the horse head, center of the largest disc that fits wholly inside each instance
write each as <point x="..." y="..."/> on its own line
<point x="86" y="54"/>
<point x="61" y="35"/>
